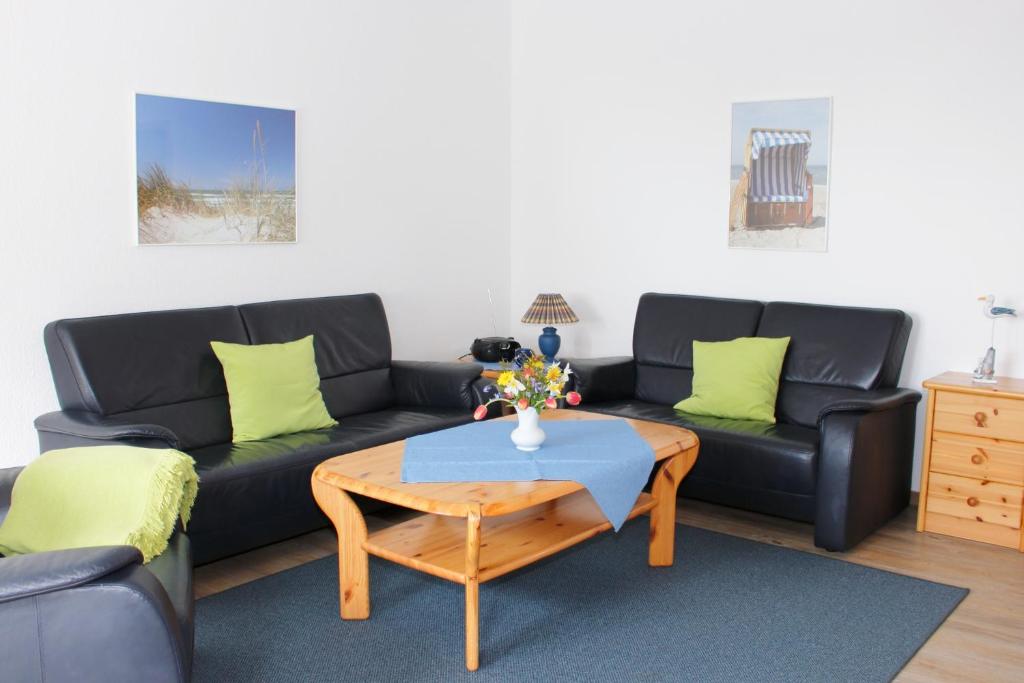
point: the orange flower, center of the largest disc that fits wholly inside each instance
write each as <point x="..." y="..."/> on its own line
<point x="550" y="402"/>
<point x="573" y="398"/>
<point x="523" y="404"/>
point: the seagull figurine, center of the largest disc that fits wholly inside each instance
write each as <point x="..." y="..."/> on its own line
<point x="993" y="311"/>
<point x="986" y="370"/>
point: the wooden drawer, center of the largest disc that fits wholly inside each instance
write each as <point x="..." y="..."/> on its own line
<point x="992" y="417"/>
<point x="971" y="529"/>
<point x="989" y="502"/>
<point x="979" y="458"/>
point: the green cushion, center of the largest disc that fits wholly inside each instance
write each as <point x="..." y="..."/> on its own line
<point x="273" y="389"/>
<point x="99" y="495"/>
<point x="737" y="379"/>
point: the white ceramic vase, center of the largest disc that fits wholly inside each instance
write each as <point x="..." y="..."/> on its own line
<point x="528" y="436"/>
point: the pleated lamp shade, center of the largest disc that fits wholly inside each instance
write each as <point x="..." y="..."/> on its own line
<point x="549" y="309"/>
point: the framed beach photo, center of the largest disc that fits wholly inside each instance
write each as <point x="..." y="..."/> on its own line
<point x="780" y="174"/>
<point x="213" y="172"/>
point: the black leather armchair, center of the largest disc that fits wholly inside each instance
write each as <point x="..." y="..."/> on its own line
<point x="95" y="614"/>
<point x="841" y="453"/>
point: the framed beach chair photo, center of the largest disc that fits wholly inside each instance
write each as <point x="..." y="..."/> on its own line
<point x="779" y="181"/>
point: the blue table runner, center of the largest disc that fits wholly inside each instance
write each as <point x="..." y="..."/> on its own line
<point x="608" y="457"/>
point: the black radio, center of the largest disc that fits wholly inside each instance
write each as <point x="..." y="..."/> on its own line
<point x="494" y="349"/>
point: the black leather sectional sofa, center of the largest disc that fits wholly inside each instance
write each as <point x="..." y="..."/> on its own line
<point x="151" y="379"/>
<point x="841" y="453"/>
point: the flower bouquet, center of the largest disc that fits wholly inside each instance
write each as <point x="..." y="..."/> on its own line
<point x="529" y="385"/>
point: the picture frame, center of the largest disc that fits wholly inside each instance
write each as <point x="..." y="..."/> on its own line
<point x="211" y="172"/>
<point x="780" y="175"/>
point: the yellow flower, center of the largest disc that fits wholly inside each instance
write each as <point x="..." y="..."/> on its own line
<point x="554" y="373"/>
<point x="505" y="378"/>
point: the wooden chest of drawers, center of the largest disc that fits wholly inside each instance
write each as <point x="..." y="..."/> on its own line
<point x="972" y="474"/>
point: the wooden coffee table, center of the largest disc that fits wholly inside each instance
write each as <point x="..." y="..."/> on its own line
<point x="521" y="522"/>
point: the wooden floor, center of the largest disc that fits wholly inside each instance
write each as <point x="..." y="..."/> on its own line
<point x="983" y="640"/>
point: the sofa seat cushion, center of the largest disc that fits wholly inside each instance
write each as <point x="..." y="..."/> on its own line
<point x="384" y="426"/>
<point x="740" y="453"/>
<point x="259" y="492"/>
<point x="356" y="432"/>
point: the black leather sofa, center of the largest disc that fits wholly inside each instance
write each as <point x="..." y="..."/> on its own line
<point x="841" y="453"/>
<point x="95" y="614"/>
<point x="151" y="379"/>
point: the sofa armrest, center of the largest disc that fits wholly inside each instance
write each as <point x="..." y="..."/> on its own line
<point x="871" y="402"/>
<point x="864" y="470"/>
<point x="603" y="379"/>
<point x="67" y="428"/>
<point x="89" y="614"/>
<point x="25" y="576"/>
<point x="433" y="384"/>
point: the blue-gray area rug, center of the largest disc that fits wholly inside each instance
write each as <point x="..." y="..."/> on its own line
<point x="729" y="610"/>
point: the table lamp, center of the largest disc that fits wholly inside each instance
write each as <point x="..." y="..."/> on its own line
<point x="549" y="310"/>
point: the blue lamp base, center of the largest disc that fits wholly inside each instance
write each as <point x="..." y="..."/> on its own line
<point x="549" y="342"/>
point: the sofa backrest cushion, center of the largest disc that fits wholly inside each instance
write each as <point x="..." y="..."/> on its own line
<point x="351" y="339"/>
<point x="153" y="367"/>
<point x="839" y="346"/>
<point x="666" y="327"/>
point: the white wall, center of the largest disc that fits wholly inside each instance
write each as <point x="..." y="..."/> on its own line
<point x="599" y="130"/>
<point x="620" y="160"/>
<point x="403" y="166"/>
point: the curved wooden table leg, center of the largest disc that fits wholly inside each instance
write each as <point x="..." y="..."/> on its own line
<point x="661" y="549"/>
<point x="473" y="589"/>
<point x="353" y="562"/>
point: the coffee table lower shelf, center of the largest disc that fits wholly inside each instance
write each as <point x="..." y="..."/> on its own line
<point x="436" y="544"/>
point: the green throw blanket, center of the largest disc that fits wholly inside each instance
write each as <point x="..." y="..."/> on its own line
<point x="102" y="495"/>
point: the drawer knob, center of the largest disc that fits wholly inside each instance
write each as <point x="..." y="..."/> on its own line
<point x="977" y="458"/>
<point x="980" y="419"/>
<point x="972" y="501"/>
